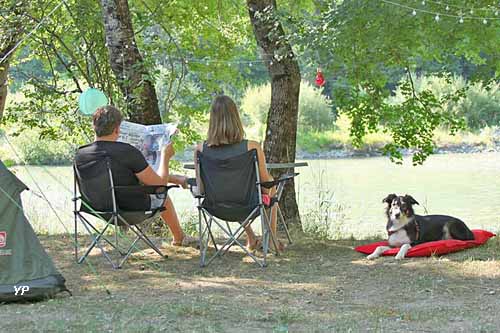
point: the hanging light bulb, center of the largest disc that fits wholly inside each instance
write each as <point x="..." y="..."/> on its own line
<point x="496" y="13"/>
<point x="472" y="11"/>
<point x="414" y="13"/>
<point x="461" y="20"/>
<point x="423" y="3"/>
<point x="249" y="64"/>
<point x="437" y="18"/>
<point x="485" y="21"/>
<point x="447" y="7"/>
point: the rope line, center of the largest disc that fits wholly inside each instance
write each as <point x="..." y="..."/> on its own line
<point x="44" y="197"/>
<point x="89" y="264"/>
<point x="31" y="32"/>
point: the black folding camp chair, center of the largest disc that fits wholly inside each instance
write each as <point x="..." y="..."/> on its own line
<point x="96" y="195"/>
<point x="231" y="192"/>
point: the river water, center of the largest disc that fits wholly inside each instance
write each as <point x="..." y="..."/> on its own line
<point x="463" y="185"/>
<point x="346" y="193"/>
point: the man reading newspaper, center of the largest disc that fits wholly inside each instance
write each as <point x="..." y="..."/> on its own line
<point x="130" y="166"/>
<point x="147" y="139"/>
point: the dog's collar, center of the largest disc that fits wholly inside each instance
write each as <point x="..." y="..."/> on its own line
<point x="390" y="232"/>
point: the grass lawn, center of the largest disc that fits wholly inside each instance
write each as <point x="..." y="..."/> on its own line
<point x="314" y="286"/>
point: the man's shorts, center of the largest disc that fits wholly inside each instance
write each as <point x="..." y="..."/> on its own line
<point x="156" y="202"/>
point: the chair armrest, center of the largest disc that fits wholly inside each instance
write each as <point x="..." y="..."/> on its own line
<point x="193" y="187"/>
<point x="283" y="178"/>
<point x="146" y="189"/>
<point x="191" y="181"/>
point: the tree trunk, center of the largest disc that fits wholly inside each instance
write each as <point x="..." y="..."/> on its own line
<point x="12" y="24"/>
<point x="128" y="65"/>
<point x="4" y="69"/>
<point x="281" y="134"/>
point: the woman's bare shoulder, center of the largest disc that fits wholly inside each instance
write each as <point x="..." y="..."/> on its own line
<point x="253" y="145"/>
<point x="199" y="146"/>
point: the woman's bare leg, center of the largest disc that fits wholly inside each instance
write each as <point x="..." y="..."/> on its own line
<point x="274" y="218"/>
<point x="251" y="238"/>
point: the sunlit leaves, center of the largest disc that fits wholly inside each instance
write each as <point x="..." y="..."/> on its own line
<point x="367" y="44"/>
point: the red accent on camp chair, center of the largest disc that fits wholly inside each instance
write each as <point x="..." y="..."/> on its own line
<point x="432" y="248"/>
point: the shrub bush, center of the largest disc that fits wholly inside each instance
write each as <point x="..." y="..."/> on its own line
<point x="480" y="107"/>
<point x="315" y="110"/>
<point x="35" y="151"/>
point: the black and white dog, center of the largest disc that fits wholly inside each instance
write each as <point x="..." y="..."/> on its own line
<point x="405" y="229"/>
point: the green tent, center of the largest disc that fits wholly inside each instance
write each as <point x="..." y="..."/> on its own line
<point x="26" y="271"/>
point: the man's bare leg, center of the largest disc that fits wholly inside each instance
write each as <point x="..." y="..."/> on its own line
<point x="169" y="216"/>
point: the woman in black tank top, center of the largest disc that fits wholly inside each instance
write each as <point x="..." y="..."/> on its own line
<point x="226" y="139"/>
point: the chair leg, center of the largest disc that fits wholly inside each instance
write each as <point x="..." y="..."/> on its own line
<point x="283" y="223"/>
<point x="237" y="236"/>
<point x="76" y="234"/>
<point x="148" y="241"/>
<point x="96" y="242"/>
<point x="84" y="220"/>
<point x="129" y="252"/>
<point x="265" y="234"/>
<point x="267" y="219"/>
<point x="140" y="234"/>
<point x="204" y="235"/>
<point x="209" y="224"/>
<point x="233" y="239"/>
<point x="200" y="239"/>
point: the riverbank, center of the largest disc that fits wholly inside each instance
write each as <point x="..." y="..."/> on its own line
<point x="338" y="143"/>
<point x="310" y="146"/>
<point x="376" y="151"/>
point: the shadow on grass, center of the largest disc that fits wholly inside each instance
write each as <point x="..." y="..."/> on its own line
<point x="314" y="286"/>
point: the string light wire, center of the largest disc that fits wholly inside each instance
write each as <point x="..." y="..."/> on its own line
<point x="438" y="14"/>
<point x="447" y="5"/>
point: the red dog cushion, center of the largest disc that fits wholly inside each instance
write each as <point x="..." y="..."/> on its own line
<point x="432" y="248"/>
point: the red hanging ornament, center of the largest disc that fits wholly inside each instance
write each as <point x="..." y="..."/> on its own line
<point x="320" y="79"/>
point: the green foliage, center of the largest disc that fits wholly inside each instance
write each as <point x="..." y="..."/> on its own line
<point x="361" y="42"/>
<point x="480" y="105"/>
<point x="30" y="149"/>
<point x="324" y="219"/>
<point x="314" y="141"/>
<point x="254" y="108"/>
<point x="315" y="111"/>
<point x="70" y="46"/>
<point x="192" y="50"/>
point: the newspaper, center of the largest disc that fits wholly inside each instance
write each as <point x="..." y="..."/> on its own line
<point x="148" y="139"/>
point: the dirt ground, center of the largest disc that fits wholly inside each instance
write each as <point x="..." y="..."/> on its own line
<point x="316" y="286"/>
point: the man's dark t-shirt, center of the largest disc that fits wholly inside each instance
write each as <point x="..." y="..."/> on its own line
<point x="126" y="161"/>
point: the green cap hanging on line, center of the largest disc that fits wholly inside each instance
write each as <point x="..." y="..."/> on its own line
<point x="90" y="100"/>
